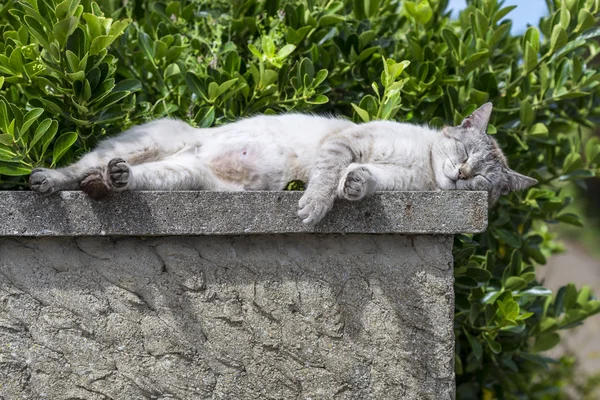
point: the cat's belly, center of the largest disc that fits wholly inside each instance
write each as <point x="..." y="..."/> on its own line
<point x="255" y="166"/>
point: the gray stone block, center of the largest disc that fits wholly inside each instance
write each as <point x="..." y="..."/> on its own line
<point x="227" y="213"/>
<point x="213" y="315"/>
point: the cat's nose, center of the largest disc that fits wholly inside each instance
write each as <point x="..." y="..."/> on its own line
<point x="462" y="173"/>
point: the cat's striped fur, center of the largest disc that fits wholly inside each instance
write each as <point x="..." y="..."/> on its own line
<point x="335" y="157"/>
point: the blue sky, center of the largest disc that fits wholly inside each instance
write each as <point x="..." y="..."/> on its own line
<point x="527" y="12"/>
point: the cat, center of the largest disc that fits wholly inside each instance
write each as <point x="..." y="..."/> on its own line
<point x="335" y="157"/>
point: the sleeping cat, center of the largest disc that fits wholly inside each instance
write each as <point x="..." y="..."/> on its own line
<point x="335" y="157"/>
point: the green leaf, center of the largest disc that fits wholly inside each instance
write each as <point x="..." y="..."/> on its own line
<point x="531" y="58"/>
<point x="461" y="303"/>
<point x="546" y="341"/>
<point x="450" y="38"/>
<point x="320" y="99"/>
<point x="572" y="318"/>
<point x="72" y="61"/>
<point x="535" y="291"/>
<point x="538" y="130"/>
<point x="254" y="50"/>
<point x="532" y="37"/>
<point x="422" y="12"/>
<point x="285" y="51"/>
<point x="223" y="87"/>
<point x="558" y="39"/>
<point x="570" y="218"/>
<point x="502" y="13"/>
<point x="478" y="274"/>
<point x="475" y="344"/>
<point x="94" y="25"/>
<point x="584" y="295"/>
<point x="527" y="114"/>
<point x="466" y="282"/>
<point x="4" y="118"/>
<point x="7" y="155"/>
<point x="37" y="31"/>
<point x="268" y="46"/>
<point x="330" y="19"/>
<point x="570" y="298"/>
<point x="146" y="45"/>
<point x="205" y="117"/>
<point x="364" y="115"/>
<point x="515" y="283"/>
<point x="508" y="237"/>
<point x="371" y="7"/>
<point x="128" y="85"/>
<point x="592" y="150"/>
<point x="572" y="162"/>
<point x="10" y="170"/>
<point x="577" y="175"/>
<point x="295" y="185"/>
<point x="100" y="43"/>
<point x="62" y="145"/>
<point x="585" y="20"/>
<point x="6" y="139"/>
<point x="195" y="85"/>
<point x="494" y="346"/>
<point x="63" y="29"/>
<point x="47" y="128"/>
<point x="565" y="16"/>
<point x="30" y="118"/>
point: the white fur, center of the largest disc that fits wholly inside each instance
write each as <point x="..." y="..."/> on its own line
<point x="336" y="157"/>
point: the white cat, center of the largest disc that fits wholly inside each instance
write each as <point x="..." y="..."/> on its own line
<point x="335" y="157"/>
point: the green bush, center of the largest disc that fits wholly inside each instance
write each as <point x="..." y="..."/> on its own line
<point x="75" y="71"/>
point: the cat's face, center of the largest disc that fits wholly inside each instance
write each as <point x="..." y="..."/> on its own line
<point x="467" y="158"/>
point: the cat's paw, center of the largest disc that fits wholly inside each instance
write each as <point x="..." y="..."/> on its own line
<point x="118" y="173"/>
<point x="357" y="184"/>
<point x="94" y="184"/>
<point x="312" y="207"/>
<point x="43" y="180"/>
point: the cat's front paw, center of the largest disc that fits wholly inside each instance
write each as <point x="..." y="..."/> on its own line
<point x="313" y="206"/>
<point x="118" y="173"/>
<point x="43" y="180"/>
<point x="356" y="184"/>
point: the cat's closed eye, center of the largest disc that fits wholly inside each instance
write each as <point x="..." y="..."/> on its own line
<point x="463" y="155"/>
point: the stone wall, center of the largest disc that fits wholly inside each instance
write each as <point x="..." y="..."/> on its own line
<point x="227" y="296"/>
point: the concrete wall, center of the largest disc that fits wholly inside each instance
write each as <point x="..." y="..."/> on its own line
<point x="231" y="297"/>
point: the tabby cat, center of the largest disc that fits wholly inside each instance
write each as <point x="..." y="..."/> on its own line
<point x="335" y="157"/>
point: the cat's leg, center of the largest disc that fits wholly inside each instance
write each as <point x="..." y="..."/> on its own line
<point x="91" y="167"/>
<point x="361" y="180"/>
<point x="357" y="182"/>
<point x="179" y="172"/>
<point x="336" y="153"/>
<point x="47" y="181"/>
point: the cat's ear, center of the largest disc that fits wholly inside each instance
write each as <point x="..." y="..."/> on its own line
<point x="517" y="181"/>
<point x="479" y="119"/>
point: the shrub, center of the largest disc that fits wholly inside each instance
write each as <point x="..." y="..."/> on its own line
<point x="75" y="71"/>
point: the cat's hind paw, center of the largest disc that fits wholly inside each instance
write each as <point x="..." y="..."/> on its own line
<point x="94" y="184"/>
<point x="356" y="184"/>
<point x="118" y="173"/>
<point x="43" y="180"/>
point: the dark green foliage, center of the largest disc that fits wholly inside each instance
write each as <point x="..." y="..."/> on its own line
<point x="72" y="72"/>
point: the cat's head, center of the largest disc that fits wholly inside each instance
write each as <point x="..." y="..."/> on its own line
<point x="468" y="158"/>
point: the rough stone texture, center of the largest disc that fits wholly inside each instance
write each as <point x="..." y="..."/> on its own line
<point x="227" y="317"/>
<point x="226" y="213"/>
<point x="207" y="295"/>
